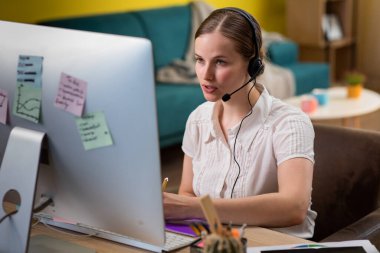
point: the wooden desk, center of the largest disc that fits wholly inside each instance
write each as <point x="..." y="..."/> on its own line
<point x="256" y="237"/>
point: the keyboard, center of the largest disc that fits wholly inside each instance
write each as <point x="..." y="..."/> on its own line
<point x="175" y="241"/>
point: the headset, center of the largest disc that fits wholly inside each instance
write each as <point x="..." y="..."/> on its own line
<point x="255" y="68"/>
<point x="255" y="65"/>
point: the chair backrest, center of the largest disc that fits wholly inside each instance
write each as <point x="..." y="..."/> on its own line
<point x="346" y="177"/>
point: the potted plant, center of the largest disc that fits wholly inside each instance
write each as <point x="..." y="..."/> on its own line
<point x="355" y="81"/>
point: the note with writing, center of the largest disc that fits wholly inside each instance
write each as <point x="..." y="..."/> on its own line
<point x="71" y="94"/>
<point x="27" y="102"/>
<point x="3" y="106"/>
<point x="29" y="70"/>
<point x="94" y="131"/>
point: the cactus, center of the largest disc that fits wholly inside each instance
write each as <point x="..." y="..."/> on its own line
<point x="222" y="243"/>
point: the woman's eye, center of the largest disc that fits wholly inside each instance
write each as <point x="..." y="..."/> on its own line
<point x="199" y="60"/>
<point x="220" y="62"/>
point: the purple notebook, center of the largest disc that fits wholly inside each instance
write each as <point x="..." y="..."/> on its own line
<point x="182" y="227"/>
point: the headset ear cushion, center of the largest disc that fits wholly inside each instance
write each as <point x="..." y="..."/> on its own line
<point x="255" y="67"/>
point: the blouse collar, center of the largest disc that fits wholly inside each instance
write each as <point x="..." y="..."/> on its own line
<point x="251" y="125"/>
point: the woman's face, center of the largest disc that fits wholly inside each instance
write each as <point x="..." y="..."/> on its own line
<point x="220" y="68"/>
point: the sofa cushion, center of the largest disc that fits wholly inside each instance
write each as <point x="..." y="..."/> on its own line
<point x="181" y="100"/>
<point x="169" y="30"/>
<point x="309" y="76"/>
<point x="110" y="23"/>
<point x="283" y="53"/>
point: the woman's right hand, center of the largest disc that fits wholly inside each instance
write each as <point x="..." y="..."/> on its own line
<point x="178" y="207"/>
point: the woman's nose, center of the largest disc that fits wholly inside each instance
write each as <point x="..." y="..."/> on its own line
<point x="208" y="72"/>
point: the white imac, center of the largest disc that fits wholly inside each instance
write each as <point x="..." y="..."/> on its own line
<point x="115" y="188"/>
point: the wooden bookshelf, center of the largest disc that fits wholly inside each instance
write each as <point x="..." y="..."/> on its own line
<point x="304" y="20"/>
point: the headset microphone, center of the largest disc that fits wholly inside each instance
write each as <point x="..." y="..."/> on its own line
<point x="227" y="96"/>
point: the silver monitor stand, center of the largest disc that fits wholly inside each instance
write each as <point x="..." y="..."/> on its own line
<point x="18" y="173"/>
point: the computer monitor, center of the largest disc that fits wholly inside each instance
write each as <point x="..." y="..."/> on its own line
<point x="115" y="188"/>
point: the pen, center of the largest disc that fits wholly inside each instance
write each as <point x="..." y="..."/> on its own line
<point x="241" y="230"/>
<point x="165" y="183"/>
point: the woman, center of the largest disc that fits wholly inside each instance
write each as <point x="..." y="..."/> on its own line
<point x="249" y="151"/>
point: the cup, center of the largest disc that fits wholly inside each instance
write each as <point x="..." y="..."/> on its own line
<point x="321" y="95"/>
<point x="309" y="103"/>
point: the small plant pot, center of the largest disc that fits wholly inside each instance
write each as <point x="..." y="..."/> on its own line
<point x="354" y="91"/>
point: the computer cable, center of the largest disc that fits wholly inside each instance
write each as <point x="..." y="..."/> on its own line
<point x="8" y="215"/>
<point x="43" y="205"/>
<point x="35" y="210"/>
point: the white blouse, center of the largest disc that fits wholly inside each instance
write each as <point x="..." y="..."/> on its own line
<point x="273" y="133"/>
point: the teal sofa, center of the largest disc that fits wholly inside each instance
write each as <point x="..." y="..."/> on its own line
<point x="169" y="29"/>
<point x="308" y="75"/>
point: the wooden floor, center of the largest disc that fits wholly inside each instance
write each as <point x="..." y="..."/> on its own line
<point x="171" y="158"/>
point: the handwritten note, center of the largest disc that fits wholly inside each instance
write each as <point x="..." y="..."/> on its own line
<point x="71" y="94"/>
<point x="3" y="106"/>
<point x="29" y="70"/>
<point x="94" y="131"/>
<point x="27" y="102"/>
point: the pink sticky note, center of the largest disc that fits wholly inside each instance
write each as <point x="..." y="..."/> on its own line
<point x="71" y="94"/>
<point x="3" y="106"/>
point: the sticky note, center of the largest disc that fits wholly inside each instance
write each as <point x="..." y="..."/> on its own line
<point x="27" y="102"/>
<point x="3" y="106"/>
<point x="29" y="70"/>
<point x="94" y="131"/>
<point x="71" y="94"/>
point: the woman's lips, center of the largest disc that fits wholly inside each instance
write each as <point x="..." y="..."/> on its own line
<point x="209" y="88"/>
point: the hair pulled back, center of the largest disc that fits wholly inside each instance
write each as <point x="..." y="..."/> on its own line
<point x="235" y="27"/>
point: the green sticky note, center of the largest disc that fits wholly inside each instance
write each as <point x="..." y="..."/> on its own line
<point x="94" y="131"/>
<point x="27" y="102"/>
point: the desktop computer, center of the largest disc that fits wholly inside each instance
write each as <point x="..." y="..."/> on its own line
<point x="103" y="168"/>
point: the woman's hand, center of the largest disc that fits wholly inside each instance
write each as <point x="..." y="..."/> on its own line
<point x="181" y="206"/>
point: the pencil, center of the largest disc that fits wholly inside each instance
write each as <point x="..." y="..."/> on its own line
<point x="165" y="183"/>
<point x="195" y="228"/>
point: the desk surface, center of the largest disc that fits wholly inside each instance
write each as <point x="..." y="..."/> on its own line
<point x="256" y="237"/>
<point x="339" y="106"/>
